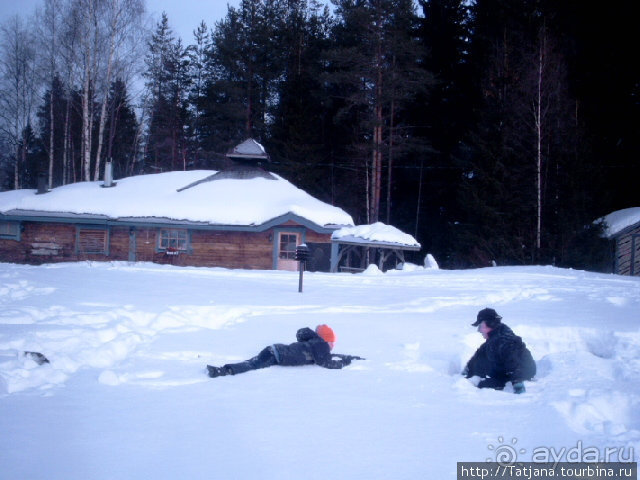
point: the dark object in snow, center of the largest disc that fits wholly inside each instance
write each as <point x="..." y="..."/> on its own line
<point x="37" y="357"/>
<point x="312" y="347"/>
<point x="502" y="358"/>
<point x="349" y="357"/>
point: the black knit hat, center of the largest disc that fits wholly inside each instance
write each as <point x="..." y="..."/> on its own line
<point x="489" y="316"/>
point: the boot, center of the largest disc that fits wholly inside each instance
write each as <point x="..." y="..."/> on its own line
<point x="216" y="371"/>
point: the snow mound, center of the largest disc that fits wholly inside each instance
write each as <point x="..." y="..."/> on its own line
<point x="430" y="262"/>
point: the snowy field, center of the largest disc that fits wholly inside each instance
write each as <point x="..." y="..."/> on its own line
<point x="125" y="394"/>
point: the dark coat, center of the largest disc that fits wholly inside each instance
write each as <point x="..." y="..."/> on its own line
<point x="310" y="348"/>
<point x="503" y="357"/>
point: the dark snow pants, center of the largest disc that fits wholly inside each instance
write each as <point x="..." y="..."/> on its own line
<point x="264" y="359"/>
<point x="496" y="383"/>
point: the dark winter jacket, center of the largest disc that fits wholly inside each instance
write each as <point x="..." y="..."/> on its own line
<point x="503" y="357"/>
<point x="310" y="348"/>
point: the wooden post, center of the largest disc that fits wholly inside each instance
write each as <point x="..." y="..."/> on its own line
<point x="301" y="269"/>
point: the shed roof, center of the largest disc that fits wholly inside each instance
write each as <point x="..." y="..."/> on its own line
<point x="618" y="221"/>
<point x="375" y="235"/>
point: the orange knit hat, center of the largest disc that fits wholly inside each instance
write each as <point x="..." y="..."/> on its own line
<point x="325" y="332"/>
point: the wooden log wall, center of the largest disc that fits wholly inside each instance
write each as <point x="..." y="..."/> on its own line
<point x="53" y="242"/>
<point x="628" y="251"/>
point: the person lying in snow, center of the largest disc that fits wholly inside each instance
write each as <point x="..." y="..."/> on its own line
<point x="311" y="347"/>
<point x="502" y="358"/>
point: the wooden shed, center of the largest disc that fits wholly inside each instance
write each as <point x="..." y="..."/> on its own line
<point x="242" y="217"/>
<point x="623" y="228"/>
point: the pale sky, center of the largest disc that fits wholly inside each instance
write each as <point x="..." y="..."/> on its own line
<point x="184" y="15"/>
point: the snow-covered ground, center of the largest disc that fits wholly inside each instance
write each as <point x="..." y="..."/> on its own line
<point x="125" y="394"/>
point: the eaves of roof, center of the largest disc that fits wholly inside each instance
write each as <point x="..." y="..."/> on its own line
<point x="352" y="240"/>
<point x="159" y="222"/>
<point x="624" y="231"/>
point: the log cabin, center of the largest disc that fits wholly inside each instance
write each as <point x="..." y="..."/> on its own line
<point x="240" y="217"/>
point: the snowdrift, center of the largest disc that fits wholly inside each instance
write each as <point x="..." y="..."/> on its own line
<point x="125" y="395"/>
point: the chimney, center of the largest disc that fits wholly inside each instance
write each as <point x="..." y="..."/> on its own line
<point x="108" y="175"/>
<point x="42" y="184"/>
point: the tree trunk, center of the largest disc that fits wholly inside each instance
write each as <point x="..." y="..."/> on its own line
<point x="51" y="136"/>
<point x="16" y="169"/>
<point x="116" y="11"/>
<point x="419" y="199"/>
<point x="65" y="148"/>
<point x="376" y="177"/>
<point x="390" y="163"/>
<point x="86" y="127"/>
<point x="538" y="132"/>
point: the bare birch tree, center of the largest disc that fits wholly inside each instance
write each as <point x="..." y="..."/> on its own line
<point x="543" y="90"/>
<point x="107" y="30"/>
<point x="49" y="22"/>
<point x="68" y="64"/>
<point x="121" y="20"/>
<point x="18" y="87"/>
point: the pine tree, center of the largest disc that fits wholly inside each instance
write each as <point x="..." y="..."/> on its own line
<point x="198" y="72"/>
<point x="374" y="67"/>
<point x="245" y="67"/>
<point x="121" y="131"/>
<point x="513" y="183"/>
<point x="299" y="135"/>
<point x="440" y="118"/>
<point x="167" y="89"/>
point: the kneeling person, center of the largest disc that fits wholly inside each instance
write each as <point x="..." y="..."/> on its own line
<point x="502" y="358"/>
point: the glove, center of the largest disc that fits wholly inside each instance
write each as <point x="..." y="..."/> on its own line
<point x="346" y="361"/>
<point x="518" y="388"/>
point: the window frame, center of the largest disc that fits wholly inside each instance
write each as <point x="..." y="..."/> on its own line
<point x="8" y="234"/>
<point x="168" y="235"/>
<point x="288" y="254"/>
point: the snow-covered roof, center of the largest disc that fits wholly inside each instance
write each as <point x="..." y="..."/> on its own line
<point x="621" y="219"/>
<point x="377" y="233"/>
<point x="248" y="149"/>
<point x="230" y="202"/>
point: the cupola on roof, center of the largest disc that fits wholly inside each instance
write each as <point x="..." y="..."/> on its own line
<point x="248" y="150"/>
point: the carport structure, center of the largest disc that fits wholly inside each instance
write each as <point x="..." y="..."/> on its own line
<point x="355" y="248"/>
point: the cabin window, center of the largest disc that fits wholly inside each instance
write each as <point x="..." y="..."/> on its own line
<point x="10" y="230"/>
<point x="92" y="240"/>
<point x="174" y="240"/>
<point x="288" y="242"/>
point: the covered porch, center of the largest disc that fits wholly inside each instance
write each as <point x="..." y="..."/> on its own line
<point x="353" y="249"/>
